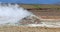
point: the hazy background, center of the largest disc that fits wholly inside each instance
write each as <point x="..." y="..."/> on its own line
<point x="32" y="1"/>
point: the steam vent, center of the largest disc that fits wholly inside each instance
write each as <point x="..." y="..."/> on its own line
<point x="29" y="18"/>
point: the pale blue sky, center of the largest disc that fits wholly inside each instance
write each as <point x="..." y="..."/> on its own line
<point x="31" y="1"/>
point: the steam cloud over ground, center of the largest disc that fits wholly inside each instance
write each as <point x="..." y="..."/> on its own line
<point x="12" y="13"/>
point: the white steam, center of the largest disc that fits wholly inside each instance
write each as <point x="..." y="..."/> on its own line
<point x="12" y="13"/>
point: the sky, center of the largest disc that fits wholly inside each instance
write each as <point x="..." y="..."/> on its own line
<point x="31" y="1"/>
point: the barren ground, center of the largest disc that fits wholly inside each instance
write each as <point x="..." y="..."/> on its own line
<point x="28" y="29"/>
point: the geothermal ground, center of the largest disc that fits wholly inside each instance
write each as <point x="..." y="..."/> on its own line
<point x="48" y="13"/>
